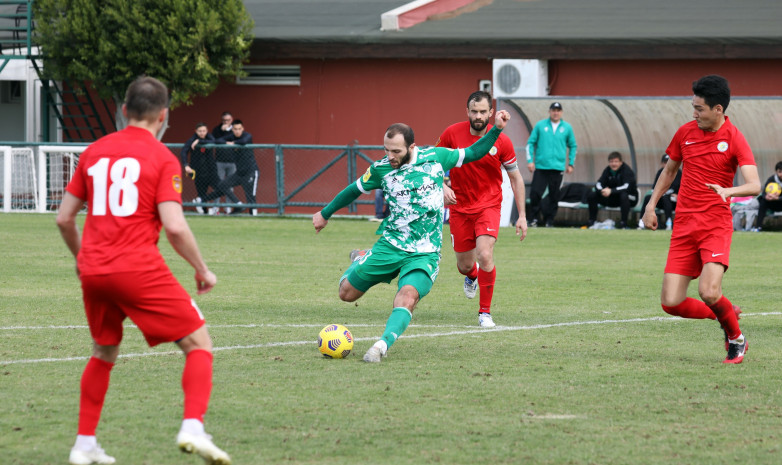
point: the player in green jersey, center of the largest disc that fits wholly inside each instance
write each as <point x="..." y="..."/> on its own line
<point x="412" y="182"/>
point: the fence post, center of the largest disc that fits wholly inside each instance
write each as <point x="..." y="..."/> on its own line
<point x="279" y="161"/>
<point x="352" y="208"/>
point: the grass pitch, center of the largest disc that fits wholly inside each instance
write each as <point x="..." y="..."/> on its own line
<point x="584" y="367"/>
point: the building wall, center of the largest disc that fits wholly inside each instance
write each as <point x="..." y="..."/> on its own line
<point x="341" y="102"/>
<point x="344" y="101"/>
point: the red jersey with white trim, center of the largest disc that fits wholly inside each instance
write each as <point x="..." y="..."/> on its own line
<point x="707" y="157"/>
<point x="477" y="185"/>
<point x="123" y="177"/>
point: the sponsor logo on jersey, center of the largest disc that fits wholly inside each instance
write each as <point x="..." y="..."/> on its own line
<point x="367" y="175"/>
<point x="722" y="146"/>
<point x="176" y="181"/>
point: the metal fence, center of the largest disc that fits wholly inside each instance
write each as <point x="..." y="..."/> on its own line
<point x="293" y="179"/>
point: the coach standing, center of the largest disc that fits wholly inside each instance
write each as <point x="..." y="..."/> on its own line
<point x="551" y="152"/>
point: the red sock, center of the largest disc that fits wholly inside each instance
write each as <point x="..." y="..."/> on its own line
<point x="94" y="384"/>
<point x="727" y="317"/>
<point x="197" y="383"/>
<point x="486" y="285"/>
<point x="473" y="273"/>
<point x="691" y="308"/>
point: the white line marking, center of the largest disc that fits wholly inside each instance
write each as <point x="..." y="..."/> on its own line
<point x="467" y="330"/>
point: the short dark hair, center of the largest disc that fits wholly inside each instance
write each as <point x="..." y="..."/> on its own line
<point x="479" y="95"/>
<point x="226" y="113"/>
<point x="145" y="97"/>
<point x="778" y="166"/>
<point x="714" y="90"/>
<point x="614" y="155"/>
<point x="405" y="130"/>
<point x="237" y="122"/>
<point x="201" y="124"/>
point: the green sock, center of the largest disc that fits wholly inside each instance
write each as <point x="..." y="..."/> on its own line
<point x="396" y="324"/>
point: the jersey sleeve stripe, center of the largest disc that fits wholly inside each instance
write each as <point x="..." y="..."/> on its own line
<point x="361" y="187"/>
<point x="461" y="157"/>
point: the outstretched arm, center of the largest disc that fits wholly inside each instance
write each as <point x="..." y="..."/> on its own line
<point x="482" y="146"/>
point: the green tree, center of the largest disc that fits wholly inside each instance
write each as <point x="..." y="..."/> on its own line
<point x="190" y="45"/>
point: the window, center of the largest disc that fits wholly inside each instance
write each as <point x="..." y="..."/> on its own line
<point x="271" y="75"/>
<point x="11" y="91"/>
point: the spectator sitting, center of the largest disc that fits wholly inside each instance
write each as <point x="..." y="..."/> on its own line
<point x="769" y="200"/>
<point x="745" y="208"/>
<point x="668" y="201"/>
<point x="615" y="188"/>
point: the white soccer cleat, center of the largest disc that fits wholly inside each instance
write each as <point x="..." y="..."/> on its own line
<point x="88" y="457"/>
<point x="202" y="445"/>
<point x="485" y="320"/>
<point x="198" y="208"/>
<point x="376" y="352"/>
<point x="470" y="287"/>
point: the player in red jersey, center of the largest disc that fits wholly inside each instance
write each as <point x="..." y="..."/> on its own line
<point x="709" y="149"/>
<point x="132" y="186"/>
<point x="475" y="197"/>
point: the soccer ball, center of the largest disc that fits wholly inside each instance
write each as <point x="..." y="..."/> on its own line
<point x="335" y="341"/>
<point x="773" y="188"/>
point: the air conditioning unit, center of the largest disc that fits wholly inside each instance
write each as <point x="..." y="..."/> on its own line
<point x="520" y="78"/>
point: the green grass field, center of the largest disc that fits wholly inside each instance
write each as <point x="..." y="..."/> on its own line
<point x="584" y="367"/>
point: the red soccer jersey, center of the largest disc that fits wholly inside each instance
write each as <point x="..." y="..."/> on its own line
<point x="477" y="185"/>
<point x="123" y="177"/>
<point x="707" y="157"/>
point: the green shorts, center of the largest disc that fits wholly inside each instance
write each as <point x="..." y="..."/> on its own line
<point x="385" y="262"/>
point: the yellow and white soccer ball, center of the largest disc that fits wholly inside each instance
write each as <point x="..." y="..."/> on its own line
<point x="335" y="341"/>
<point x="773" y="188"/>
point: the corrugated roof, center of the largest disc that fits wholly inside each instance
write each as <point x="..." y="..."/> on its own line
<point x="548" y="22"/>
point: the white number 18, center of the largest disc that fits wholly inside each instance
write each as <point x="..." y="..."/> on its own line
<point x="122" y="194"/>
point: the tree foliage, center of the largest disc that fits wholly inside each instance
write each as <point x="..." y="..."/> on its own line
<point x="190" y="45"/>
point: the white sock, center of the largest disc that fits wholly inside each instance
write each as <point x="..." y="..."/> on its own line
<point x="85" y="442"/>
<point x="192" y="426"/>
<point x="738" y="340"/>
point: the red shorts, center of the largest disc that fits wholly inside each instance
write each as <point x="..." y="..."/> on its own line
<point x="153" y="300"/>
<point x="697" y="239"/>
<point x="466" y="227"/>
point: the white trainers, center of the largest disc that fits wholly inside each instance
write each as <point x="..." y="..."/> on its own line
<point x="202" y="445"/>
<point x="87" y="457"/>
<point x="470" y="287"/>
<point x="376" y="352"/>
<point x="198" y="208"/>
<point x="485" y="320"/>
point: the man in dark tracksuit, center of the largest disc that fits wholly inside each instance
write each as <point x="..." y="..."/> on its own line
<point x="246" y="174"/>
<point x="616" y="188"/>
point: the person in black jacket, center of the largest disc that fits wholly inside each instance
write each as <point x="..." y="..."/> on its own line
<point x="201" y="165"/>
<point x="615" y="188"/>
<point x="246" y="174"/>
<point x="768" y="200"/>
<point x="668" y="201"/>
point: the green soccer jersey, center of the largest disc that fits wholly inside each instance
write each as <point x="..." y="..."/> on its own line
<point x="414" y="195"/>
<point x="413" y="192"/>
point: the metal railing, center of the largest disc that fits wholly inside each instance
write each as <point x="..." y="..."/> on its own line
<point x="292" y="178"/>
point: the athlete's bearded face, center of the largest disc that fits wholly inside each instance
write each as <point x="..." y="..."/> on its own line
<point x="479" y="114"/>
<point x="397" y="152"/>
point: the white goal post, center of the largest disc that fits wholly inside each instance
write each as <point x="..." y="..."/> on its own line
<point x="33" y="179"/>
